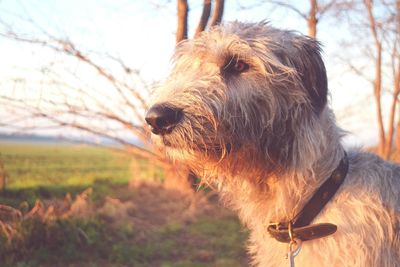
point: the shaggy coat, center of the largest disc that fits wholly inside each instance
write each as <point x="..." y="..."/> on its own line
<point x="255" y="124"/>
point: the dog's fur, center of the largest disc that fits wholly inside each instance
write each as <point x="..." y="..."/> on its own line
<point x="266" y="138"/>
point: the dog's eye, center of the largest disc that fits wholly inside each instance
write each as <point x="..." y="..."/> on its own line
<point x="236" y="66"/>
<point x="241" y="66"/>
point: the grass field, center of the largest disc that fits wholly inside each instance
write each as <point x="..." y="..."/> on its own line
<point x="49" y="170"/>
<point x="121" y="225"/>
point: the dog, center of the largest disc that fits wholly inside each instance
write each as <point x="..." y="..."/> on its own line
<point x="245" y="106"/>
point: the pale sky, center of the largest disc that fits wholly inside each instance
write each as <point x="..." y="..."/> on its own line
<point x="142" y="34"/>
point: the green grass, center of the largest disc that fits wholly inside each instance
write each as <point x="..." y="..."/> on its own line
<point x="52" y="171"/>
<point x="46" y="171"/>
<point x="61" y="243"/>
<point x="31" y="166"/>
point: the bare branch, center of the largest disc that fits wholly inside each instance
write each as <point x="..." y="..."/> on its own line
<point x="59" y="122"/>
<point x="322" y="9"/>
<point x="291" y="7"/>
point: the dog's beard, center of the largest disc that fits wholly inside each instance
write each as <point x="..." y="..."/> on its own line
<point x="189" y="144"/>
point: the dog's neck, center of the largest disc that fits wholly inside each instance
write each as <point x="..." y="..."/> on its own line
<point x="281" y="197"/>
<point x="278" y="197"/>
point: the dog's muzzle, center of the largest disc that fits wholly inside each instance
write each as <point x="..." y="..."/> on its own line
<point x="163" y="118"/>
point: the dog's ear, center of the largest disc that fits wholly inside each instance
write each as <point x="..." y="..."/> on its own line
<point x="304" y="55"/>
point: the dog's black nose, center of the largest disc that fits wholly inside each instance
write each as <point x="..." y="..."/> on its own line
<point x="163" y="118"/>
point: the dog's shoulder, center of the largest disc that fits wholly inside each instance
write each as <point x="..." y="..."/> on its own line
<point x="370" y="172"/>
<point x="365" y="161"/>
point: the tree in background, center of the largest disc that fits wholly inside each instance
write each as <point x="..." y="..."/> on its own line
<point x="204" y="21"/>
<point x="375" y="29"/>
<point x="394" y="46"/>
<point x="317" y="9"/>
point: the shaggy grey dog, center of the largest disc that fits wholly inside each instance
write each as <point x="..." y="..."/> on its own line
<point x="246" y="108"/>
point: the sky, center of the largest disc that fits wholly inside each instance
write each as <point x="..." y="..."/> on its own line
<point x="142" y="33"/>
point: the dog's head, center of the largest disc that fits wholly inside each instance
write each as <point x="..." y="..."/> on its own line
<point x="240" y="91"/>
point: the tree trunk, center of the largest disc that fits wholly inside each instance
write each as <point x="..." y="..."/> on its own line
<point x="378" y="77"/>
<point x="312" y="19"/>
<point x="397" y="80"/>
<point x="398" y="139"/>
<point x="378" y="103"/>
<point x="205" y="15"/>
<point x="218" y="12"/>
<point x="183" y="10"/>
<point x="396" y="92"/>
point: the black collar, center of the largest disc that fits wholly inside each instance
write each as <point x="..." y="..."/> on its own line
<point x="299" y="227"/>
